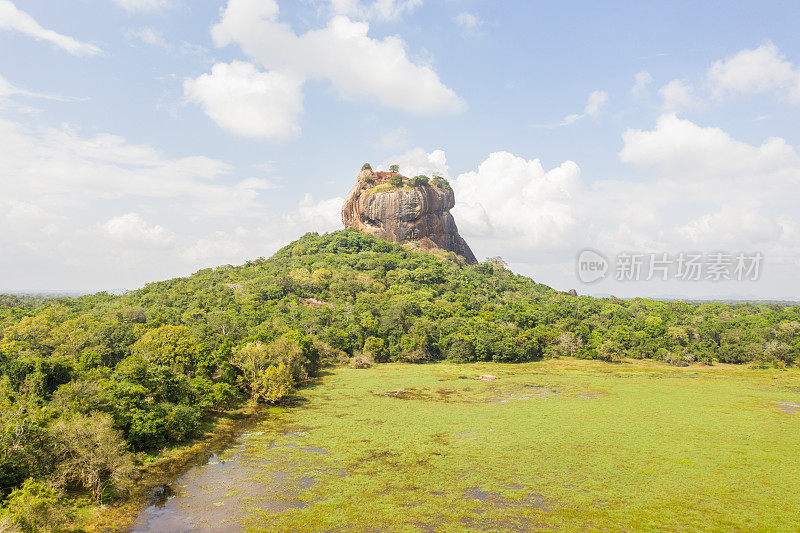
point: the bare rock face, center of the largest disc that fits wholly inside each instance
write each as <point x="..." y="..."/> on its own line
<point x="404" y="214"/>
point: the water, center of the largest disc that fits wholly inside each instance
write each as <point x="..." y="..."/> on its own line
<point x="257" y="475"/>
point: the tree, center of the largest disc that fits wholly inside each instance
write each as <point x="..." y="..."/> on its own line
<point x="33" y="508"/>
<point x="24" y="446"/>
<point x="226" y="322"/>
<point x="440" y="182"/>
<point x="394" y="168"/>
<point x="396" y="180"/>
<point x="74" y="335"/>
<point x="567" y="345"/>
<point x="366" y="166"/>
<point x="609" y="351"/>
<point x="275" y="383"/>
<point x="419" y="181"/>
<point x="460" y="348"/>
<point x="32" y="332"/>
<point x="172" y="346"/>
<point x="267" y="369"/>
<point x="92" y="454"/>
<point x="375" y="348"/>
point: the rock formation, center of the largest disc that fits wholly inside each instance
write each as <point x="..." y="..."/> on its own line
<point x="406" y="213"/>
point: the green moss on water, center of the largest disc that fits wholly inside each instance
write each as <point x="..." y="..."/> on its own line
<point x="559" y="443"/>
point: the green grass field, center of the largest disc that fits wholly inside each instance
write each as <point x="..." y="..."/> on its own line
<point x="555" y="444"/>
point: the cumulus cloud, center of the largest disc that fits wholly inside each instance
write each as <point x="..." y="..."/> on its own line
<point x="382" y="10"/>
<point x="730" y="227"/>
<point x="132" y="229"/>
<point x="273" y="231"/>
<point x="714" y="191"/>
<point x="97" y="211"/>
<point x="142" y="6"/>
<point x="640" y="82"/>
<point x="325" y="215"/>
<point x="358" y="66"/>
<point x="679" y="94"/>
<point x="59" y="168"/>
<point x="418" y="161"/>
<point x="516" y="200"/>
<point x="219" y="248"/>
<point x="688" y="153"/>
<point x="247" y="102"/>
<point x="597" y="99"/>
<point x="757" y="70"/>
<point x="693" y="188"/>
<point x="14" y="19"/>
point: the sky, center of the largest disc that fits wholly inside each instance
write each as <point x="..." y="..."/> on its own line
<point x="142" y="140"/>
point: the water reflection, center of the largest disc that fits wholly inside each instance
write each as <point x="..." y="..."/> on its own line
<point x="254" y="476"/>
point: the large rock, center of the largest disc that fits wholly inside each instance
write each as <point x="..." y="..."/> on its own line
<point x="404" y="214"/>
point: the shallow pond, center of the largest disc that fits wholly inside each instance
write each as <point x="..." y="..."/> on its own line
<point x="254" y="475"/>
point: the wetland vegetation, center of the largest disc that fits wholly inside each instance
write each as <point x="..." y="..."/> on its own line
<point x="566" y="443"/>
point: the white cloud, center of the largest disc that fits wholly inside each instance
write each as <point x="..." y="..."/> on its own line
<point x="757" y="70"/>
<point x="596" y="101"/>
<point x="142" y="6"/>
<point x="324" y="215"/>
<point x="12" y="18"/>
<point x="468" y="21"/>
<point x="149" y="36"/>
<point x="358" y="66"/>
<point x="219" y="248"/>
<point x="694" y="188"/>
<point x="9" y="90"/>
<point x="729" y="227"/>
<point x="60" y="169"/>
<point x="513" y="200"/>
<point x="715" y="192"/>
<point x="641" y="81"/>
<point x="274" y="231"/>
<point x="692" y="154"/>
<point x="153" y="37"/>
<point x="383" y="10"/>
<point x="81" y="211"/>
<point x="418" y="161"/>
<point x="131" y="228"/>
<point x="677" y="95"/>
<point x="247" y="102"/>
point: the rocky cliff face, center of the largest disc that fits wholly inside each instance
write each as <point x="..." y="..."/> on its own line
<point x="418" y="214"/>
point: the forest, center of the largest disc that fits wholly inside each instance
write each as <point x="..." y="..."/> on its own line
<point x="92" y="387"/>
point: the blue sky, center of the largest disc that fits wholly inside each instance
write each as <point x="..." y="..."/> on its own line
<point x="144" y="139"/>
